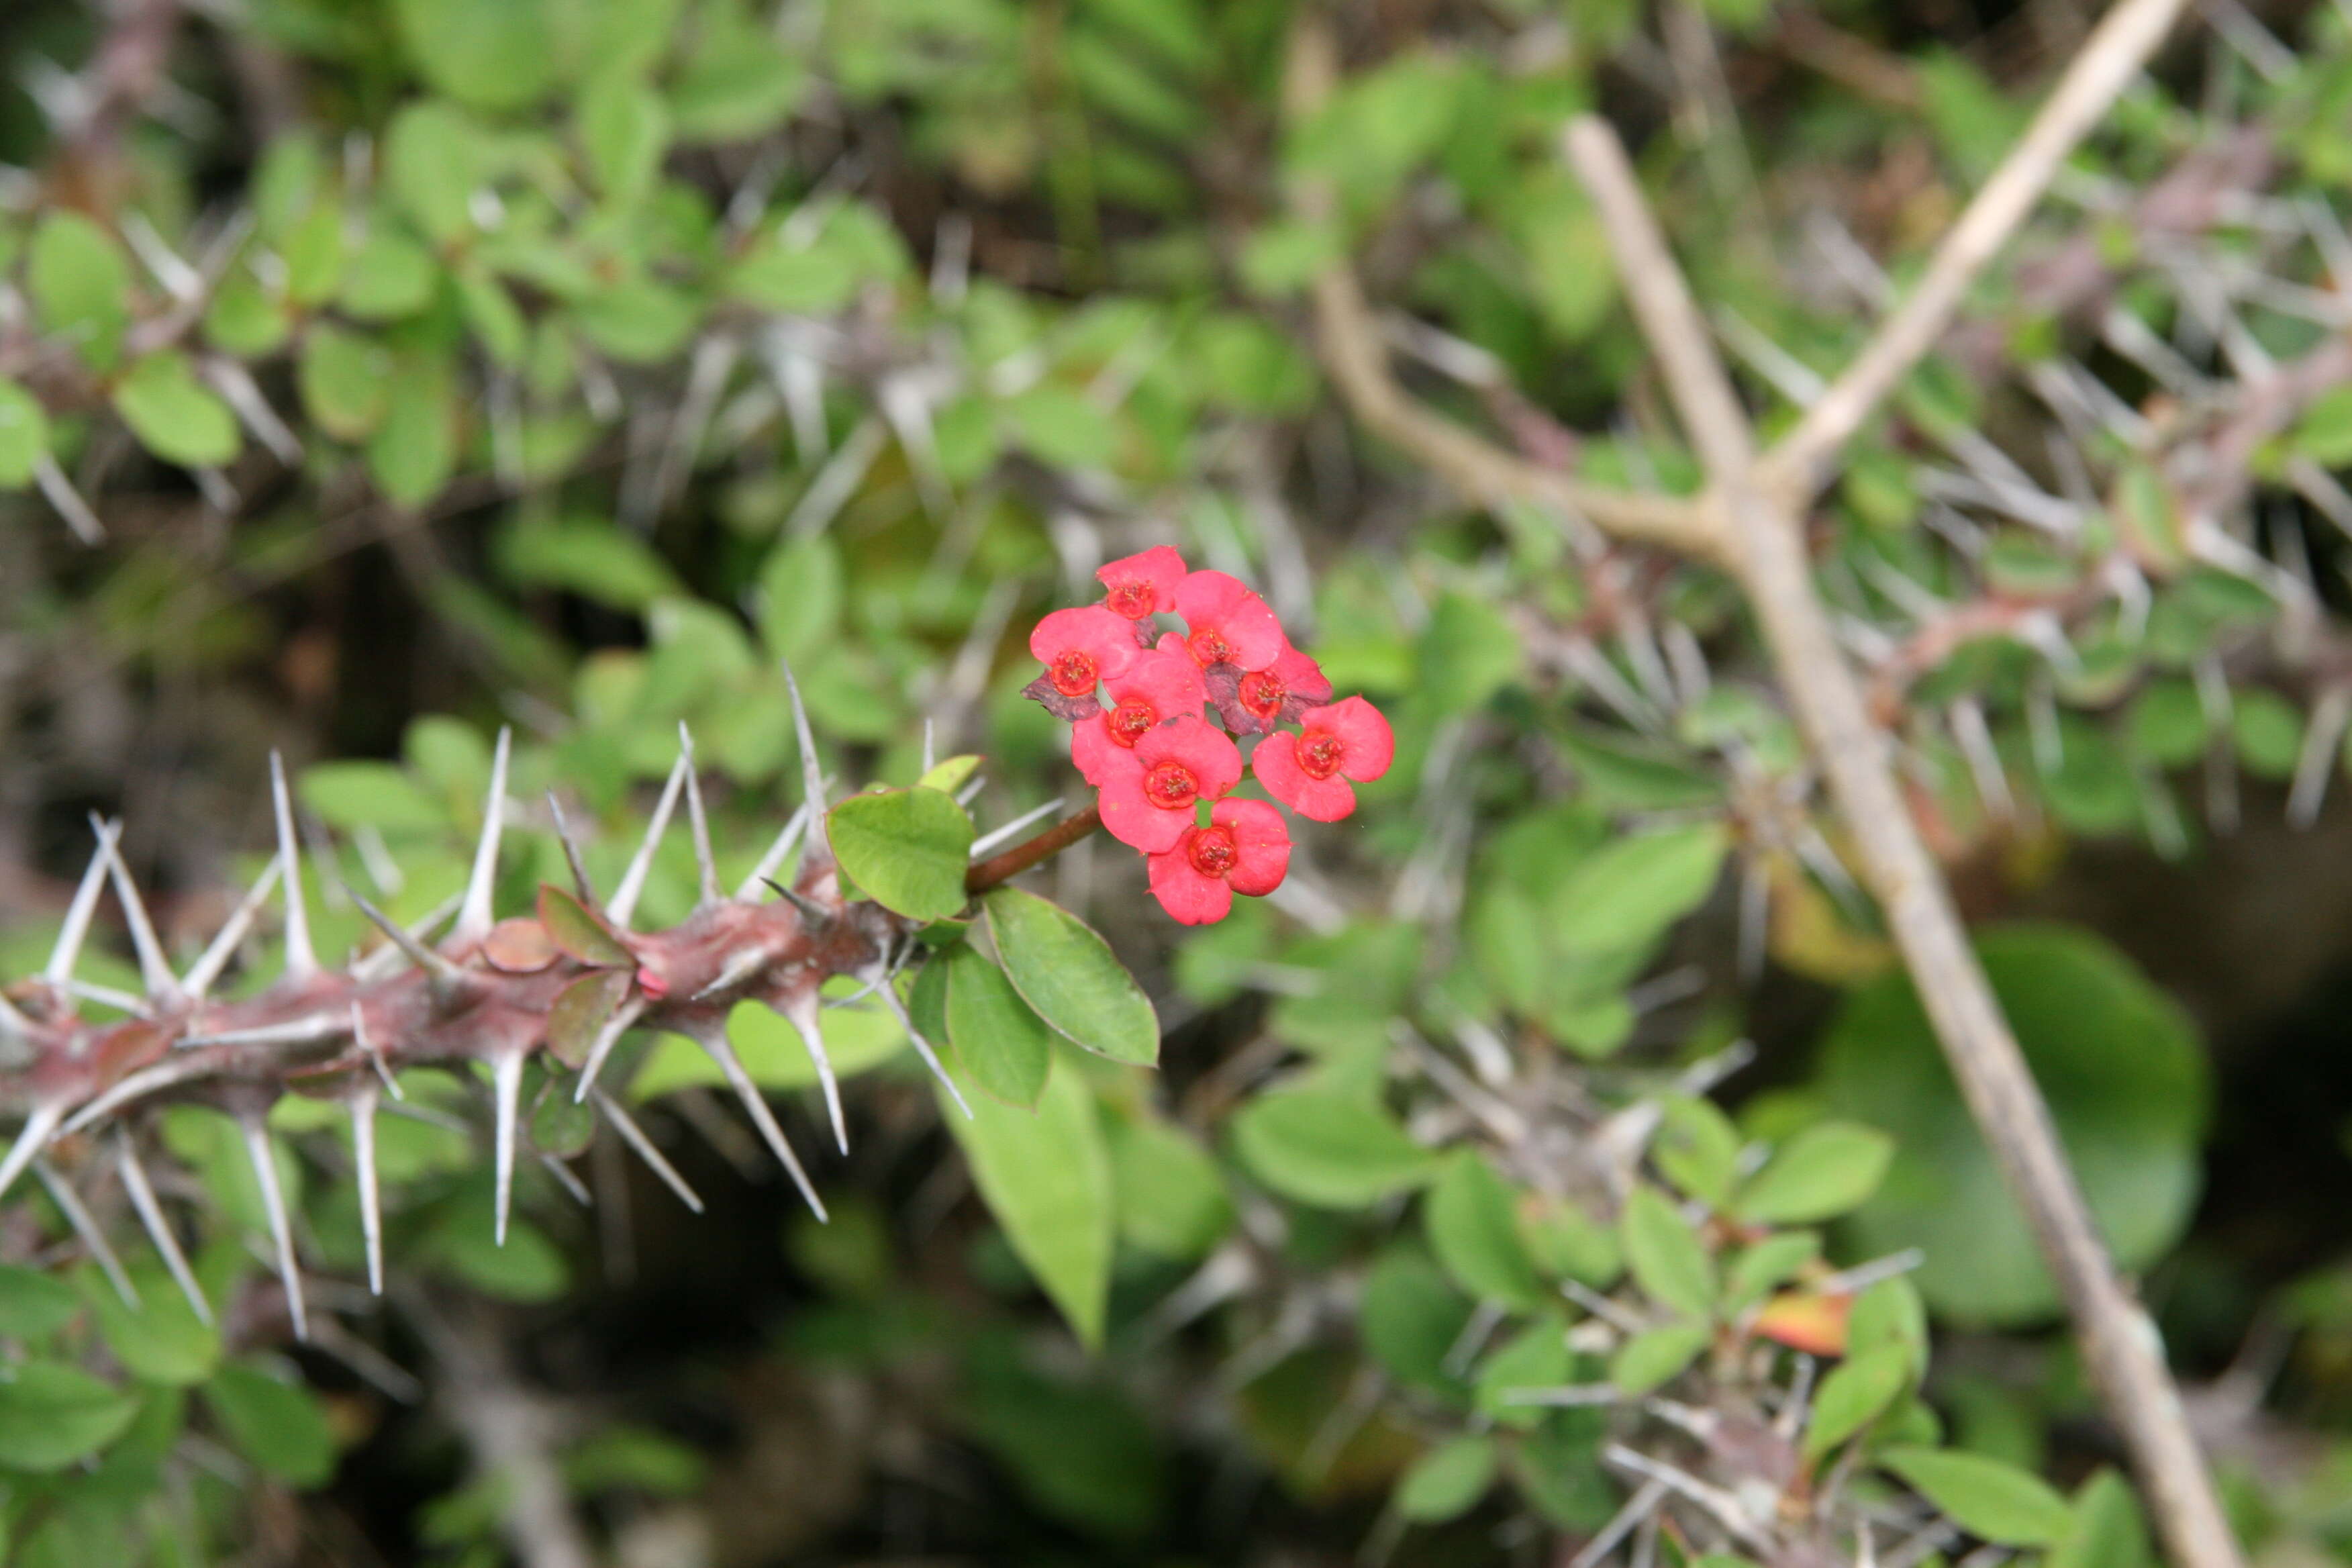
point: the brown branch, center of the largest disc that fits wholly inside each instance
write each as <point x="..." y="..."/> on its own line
<point x="1021" y="857"/>
<point x="1356" y="353"/>
<point x="1765" y="544"/>
<point x="1800" y="464"/>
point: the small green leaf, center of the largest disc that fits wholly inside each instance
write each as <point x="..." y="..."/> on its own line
<point x="1067" y="973"/>
<point x="1825" y="1171"/>
<point x="414" y="449"/>
<point x="52" y="1414"/>
<point x="161" y="1339"/>
<point x="23" y="436"/>
<point x="1447" y="1481"/>
<point x="342" y="376"/>
<point x="1473" y="1228"/>
<point x="1770" y="1262"/>
<point x="590" y="556"/>
<point x="312" y="250"/>
<point x="355" y="795"/>
<point x="432" y="163"/>
<point x="561" y="1125"/>
<point x="388" y="278"/>
<point x="1657" y="1356"/>
<point x="1667" y="1258"/>
<point x="276" y="1424"/>
<point x="1046" y="1178"/>
<point x="908" y="849"/>
<point x="1630" y="890"/>
<point x="491" y="54"/>
<point x="1005" y="1046"/>
<point x="579" y="932"/>
<point x="1989" y="1499"/>
<point x="2108" y="1530"/>
<point x="581" y="1010"/>
<point x="1890" y="1314"/>
<point x="1328" y="1147"/>
<point x="174" y="415"/>
<point x="1696" y="1148"/>
<point x="1535" y="1357"/>
<point x="80" y="285"/>
<point x="33" y="1304"/>
<point x="948" y="774"/>
<point x="624" y="130"/>
<point x="1172" y="1201"/>
<point x="1852" y="1395"/>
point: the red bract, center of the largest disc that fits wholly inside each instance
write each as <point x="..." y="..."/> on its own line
<point x="1253" y="701"/>
<point x="1143" y="584"/>
<point x="1148" y="798"/>
<point x="1158" y="686"/>
<point x="1245" y="848"/>
<point x="1080" y="649"/>
<point x="1308" y="771"/>
<point x="1226" y="623"/>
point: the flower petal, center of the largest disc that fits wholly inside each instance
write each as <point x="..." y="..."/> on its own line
<point x="1090" y="629"/>
<point x="1183" y="892"/>
<point x="1091" y="747"/>
<point x="1275" y="763"/>
<point x="1143" y="583"/>
<point x="1215" y="763"/>
<point x="1169" y="682"/>
<point x="1370" y="745"/>
<point x="1129" y="815"/>
<point x="1261" y="845"/>
<point x="1247" y="622"/>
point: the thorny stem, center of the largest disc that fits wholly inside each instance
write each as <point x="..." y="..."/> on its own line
<point x="1765" y="541"/>
<point x="1029" y="852"/>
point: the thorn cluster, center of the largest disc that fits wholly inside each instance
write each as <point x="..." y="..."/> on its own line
<point x="565" y="981"/>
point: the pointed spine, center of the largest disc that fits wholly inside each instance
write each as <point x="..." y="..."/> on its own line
<point x="475" y="917"/>
<point x="146" y="1080"/>
<point x="362" y="1107"/>
<point x="931" y="1057"/>
<point x="258" y="1150"/>
<point x="632" y="880"/>
<point x="158" y="1227"/>
<point x="705" y="863"/>
<point x="40" y="1123"/>
<point x="506" y="1091"/>
<point x="580" y="882"/>
<point x="634" y="1137"/>
<point x="801" y="1013"/>
<point x="766" y="868"/>
<point x="301" y="960"/>
<point x="434" y="963"/>
<point x="756" y="1104"/>
<point x="207" y="969"/>
<point x="68" y="951"/>
<point x="85" y="1226"/>
<point x="812" y="775"/>
<point x="609" y="1035"/>
<point x="154" y="970"/>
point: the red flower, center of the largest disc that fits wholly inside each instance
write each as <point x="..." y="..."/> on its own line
<point x="1227" y="623"/>
<point x="1158" y="686"/>
<point x="1245" y="848"/>
<point x="1080" y="649"/>
<point x="1147" y="799"/>
<point x="1143" y="585"/>
<point x="1253" y="701"/>
<point x="1310" y="772"/>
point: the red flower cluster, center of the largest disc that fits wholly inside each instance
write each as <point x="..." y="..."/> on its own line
<point x="1137" y="699"/>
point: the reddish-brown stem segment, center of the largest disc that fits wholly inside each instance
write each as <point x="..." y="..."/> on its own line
<point x="1029" y="852"/>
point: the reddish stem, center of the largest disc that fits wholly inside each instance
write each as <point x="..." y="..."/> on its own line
<point x="1021" y="857"/>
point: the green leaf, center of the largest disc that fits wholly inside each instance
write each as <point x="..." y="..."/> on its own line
<point x="624" y="129"/>
<point x="2126" y="1079"/>
<point x="1667" y="1258"/>
<point x="580" y="931"/>
<point x="312" y="251"/>
<point x="1171" y="1194"/>
<point x="1061" y="427"/>
<point x="948" y="774"/>
<point x="162" y="1340"/>
<point x="2108" y="1530"/>
<point x="1696" y="1148"/>
<point x="638" y="320"/>
<point x="348" y="795"/>
<point x="414" y="449"/>
<point x="1828" y="1169"/>
<point x="771" y="1050"/>
<point x="2324" y="434"/>
<point x="1890" y="1314"/>
<point x="432" y="165"/>
<point x="343" y="377"/>
<point x="488" y="54"/>
<point x="389" y="277"/>
<point x="1068" y="975"/>
<point x="580" y="1012"/>
<point x="590" y="556"/>
<point x="1473" y="1228"/>
<point x="907" y="848"/>
<point x="276" y="1424"/>
<point x="1046" y="1178"/>
<point x="1853" y="1395"/>
<point x="1328" y="1147"/>
<point x="800" y="597"/>
<point x="80" y="285"/>
<point x="33" y="1305"/>
<point x="1004" y="1048"/>
<point x="1447" y="1481"/>
<point x="174" y="415"/>
<point x="1535" y="1357"/>
<point x="526" y="1267"/>
<point x="1769" y="1263"/>
<point x="2166" y="725"/>
<point x="23" y="436"/>
<point x="2268" y="731"/>
<point x="1630" y="890"/>
<point x="52" y="1414"/>
<point x="1989" y="1499"/>
<point x="1657" y="1356"/>
<point x="1468" y="652"/>
<point x="1410" y="1319"/>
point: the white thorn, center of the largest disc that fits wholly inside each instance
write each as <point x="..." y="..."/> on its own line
<point x="39" y="1122"/>
<point x="811" y="776"/>
<point x="580" y="882"/>
<point x="634" y="1137"/>
<point x="793" y="828"/>
<point x="506" y="1088"/>
<point x="632" y="880"/>
<point x="573" y="1188"/>
<point x="154" y="969"/>
<point x="996" y="836"/>
<point x="85" y="1225"/>
<point x="2317" y="765"/>
<point x="281" y="1231"/>
<point x="606" y="1038"/>
<point x="705" y="863"/>
<point x="434" y="963"/>
<point x="474" y="918"/>
<point x="68" y="951"/>
<point x="804" y="1017"/>
<point x="931" y="1057"/>
<point x="374" y="1053"/>
<point x="159" y="1228"/>
<point x="385" y="961"/>
<point x="207" y="969"/>
<point x="363" y="1103"/>
<point x="162" y="1075"/>
<point x="930" y="758"/>
<point x="301" y="962"/>
<point x="293" y="1032"/>
<point x="723" y="1053"/>
<point x="13" y="1022"/>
